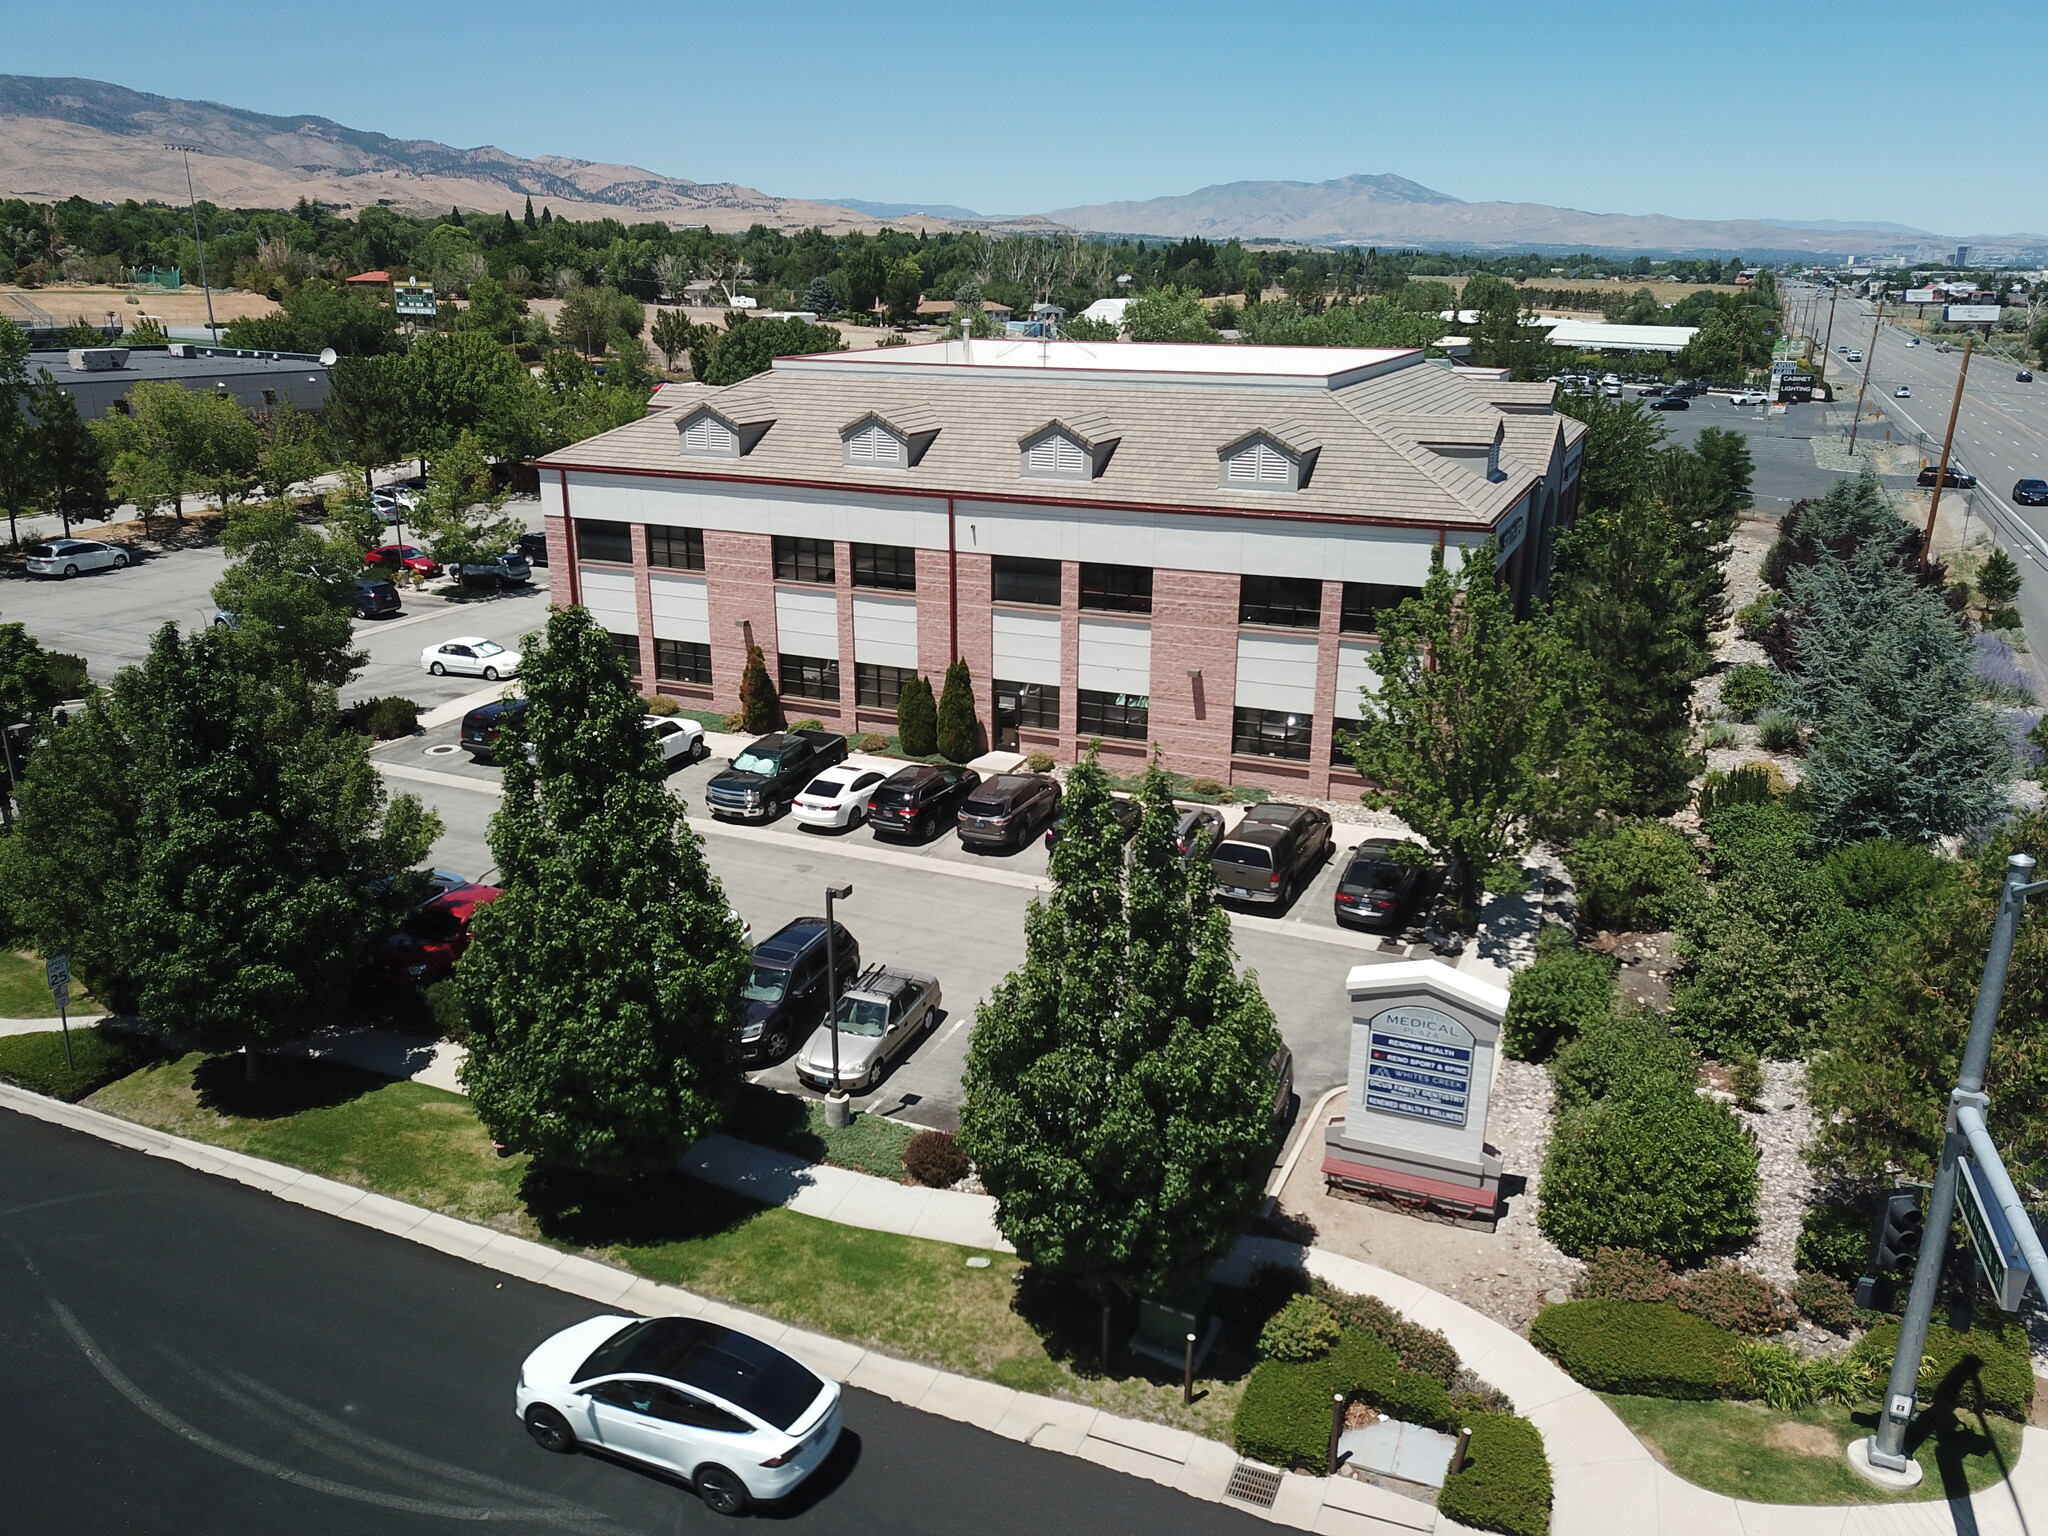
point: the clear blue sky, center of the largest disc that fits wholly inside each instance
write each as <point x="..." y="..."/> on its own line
<point x="1812" y="111"/>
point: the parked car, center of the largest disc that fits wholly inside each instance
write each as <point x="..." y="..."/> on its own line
<point x="65" y="558"/>
<point x="1124" y="809"/>
<point x="481" y="725"/>
<point x="1283" y="1092"/>
<point x="429" y="942"/>
<point x="506" y="570"/>
<point x="1955" y="476"/>
<point x="1750" y="397"/>
<point x="738" y="1419"/>
<point x="765" y="779"/>
<point x="1650" y="392"/>
<point x="393" y="504"/>
<point x="786" y="991"/>
<point x="376" y="597"/>
<point x="838" y="798"/>
<point x="918" y="802"/>
<point x="535" y="547"/>
<point x="676" y="737"/>
<point x="409" y="557"/>
<point x="1198" y="831"/>
<point x="1671" y="403"/>
<point x="1377" y="889"/>
<point x="2030" y="492"/>
<point x="879" y="1016"/>
<point x="470" y="656"/>
<point x="1272" y="852"/>
<point x="1903" y="392"/>
<point x="1007" y="810"/>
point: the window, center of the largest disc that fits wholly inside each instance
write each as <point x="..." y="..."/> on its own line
<point x="1271" y="733"/>
<point x="891" y="567"/>
<point x="1341" y="732"/>
<point x="874" y="446"/>
<point x="604" y="541"/>
<point x="628" y="648"/>
<point x="1259" y="465"/>
<point x="810" y="677"/>
<point x="878" y="687"/>
<point x="1365" y="601"/>
<point x="1117" y="588"/>
<point x="1056" y="457"/>
<point x="682" y="661"/>
<point x="1037" y="704"/>
<point x="1282" y="600"/>
<point x="804" y="560"/>
<point x="680" y="549"/>
<point x="1027" y="581"/>
<point x="1114" y="714"/>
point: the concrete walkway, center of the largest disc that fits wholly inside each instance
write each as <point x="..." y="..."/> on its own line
<point x="47" y="1026"/>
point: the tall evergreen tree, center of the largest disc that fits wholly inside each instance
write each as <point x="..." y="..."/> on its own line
<point x="71" y="473"/>
<point x="603" y="986"/>
<point x="917" y="718"/>
<point x="959" y="731"/>
<point x="1622" y="440"/>
<point x="1119" y="1083"/>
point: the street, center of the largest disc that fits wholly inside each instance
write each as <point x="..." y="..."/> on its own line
<point x="187" y="1355"/>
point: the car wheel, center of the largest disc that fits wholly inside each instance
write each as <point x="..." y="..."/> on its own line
<point x="437" y="669"/>
<point x="722" y="1492"/>
<point x="70" y="571"/>
<point x="775" y="1047"/>
<point x="120" y="560"/>
<point x="490" y="674"/>
<point x="550" y="1431"/>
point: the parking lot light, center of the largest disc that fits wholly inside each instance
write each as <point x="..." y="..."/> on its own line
<point x="838" y="1111"/>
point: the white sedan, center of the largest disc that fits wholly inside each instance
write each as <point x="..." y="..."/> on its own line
<point x="838" y="797"/>
<point x="677" y="738"/>
<point x="1903" y="392"/>
<point x="1748" y="397"/>
<point x="68" y="557"/>
<point x="471" y="656"/>
<point x="737" y="1418"/>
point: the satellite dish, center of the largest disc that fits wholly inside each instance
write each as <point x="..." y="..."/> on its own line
<point x="328" y="357"/>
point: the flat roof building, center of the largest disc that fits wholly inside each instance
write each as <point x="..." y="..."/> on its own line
<point x="98" y="378"/>
<point x="1180" y="544"/>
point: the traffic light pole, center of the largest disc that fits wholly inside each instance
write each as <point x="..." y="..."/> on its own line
<point x="1886" y="1450"/>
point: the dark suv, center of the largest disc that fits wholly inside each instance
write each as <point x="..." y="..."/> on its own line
<point x="1378" y="890"/>
<point x="1007" y="809"/>
<point x="481" y="725"/>
<point x="918" y="802"/>
<point x="534" y="546"/>
<point x="375" y="598"/>
<point x="1269" y="855"/>
<point x="785" y="992"/>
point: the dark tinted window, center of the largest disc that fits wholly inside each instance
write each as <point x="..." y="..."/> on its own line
<point x="628" y="648"/>
<point x="1340" y="744"/>
<point x="898" y="791"/>
<point x="1037" y="704"/>
<point x="682" y="661"/>
<point x="1124" y="715"/>
<point x="1250" y="854"/>
<point x="743" y="1371"/>
<point x="879" y="687"/>
<point x="804" y="560"/>
<point x="892" y="567"/>
<point x="1117" y="588"/>
<point x="1271" y="733"/>
<point x="1283" y="600"/>
<point x="678" y="548"/>
<point x="1018" y="580"/>
<point x="602" y="541"/>
<point x="810" y="677"/>
<point x="1364" y="601"/>
<point x="1372" y="875"/>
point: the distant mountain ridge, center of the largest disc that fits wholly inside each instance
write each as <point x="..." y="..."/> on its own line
<point x="903" y="210"/>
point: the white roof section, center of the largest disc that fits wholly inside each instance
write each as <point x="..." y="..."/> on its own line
<point x="1107" y="311"/>
<point x="1597" y="335"/>
<point x="1366" y="982"/>
<point x="1121" y="362"/>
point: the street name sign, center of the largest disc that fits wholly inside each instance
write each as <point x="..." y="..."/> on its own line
<point x="1991" y="1239"/>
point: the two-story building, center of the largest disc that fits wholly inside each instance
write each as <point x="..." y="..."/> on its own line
<point x="1176" y="544"/>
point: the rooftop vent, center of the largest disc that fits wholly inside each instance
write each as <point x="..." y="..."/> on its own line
<point x="98" y="359"/>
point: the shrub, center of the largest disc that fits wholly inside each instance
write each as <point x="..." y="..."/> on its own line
<point x="662" y="704"/>
<point x="874" y="741"/>
<point x="1998" y="673"/>
<point x="736" y="722"/>
<point x="935" y="1160"/>
<point x="391" y="717"/>
<point x="1505" y="1482"/>
<point x="1303" y="1329"/>
<point x="68" y="674"/>
<point x="1750" y="688"/>
<point x="1754" y="617"/>
<point x="1720" y="735"/>
<point x="99" y="1055"/>
<point x="1619" y="1055"/>
<point x="1555" y="998"/>
<point x="1625" y="1274"/>
<point x="759" y="707"/>
<point x="1284" y="1416"/>
<point x="1824" y="1301"/>
<point x="917" y="718"/>
<point x="959" y="731"/>
<point x="1989" y="1367"/>
<point x="1419" y="1349"/>
<point x="1835" y="1239"/>
<point x="1752" y="784"/>
<point x="1470" y="1395"/>
<point x="1634" y="876"/>
<point x="808" y="723"/>
<point x="1649" y="1349"/>
<point x="1734" y="1298"/>
<point x="1041" y="762"/>
<point x="1660" y="1169"/>
<point x="1777" y="731"/>
<point x="444" y="1006"/>
<point x="1840" y="1379"/>
<point x="1776" y="1375"/>
<point x="1208" y="789"/>
<point x="1746" y="1080"/>
<point x="1426" y="1352"/>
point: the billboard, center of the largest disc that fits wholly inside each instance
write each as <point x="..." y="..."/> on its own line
<point x="1970" y="314"/>
<point x="413" y="298"/>
<point x="1919" y="295"/>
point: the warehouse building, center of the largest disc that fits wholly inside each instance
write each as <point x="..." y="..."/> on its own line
<point x="1185" y="545"/>
<point x="98" y="379"/>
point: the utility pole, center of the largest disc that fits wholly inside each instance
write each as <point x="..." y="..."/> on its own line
<point x="1869" y="357"/>
<point x="1883" y="1456"/>
<point x="1947" y="441"/>
<point x="838" y="1111"/>
<point x="192" y="202"/>
<point x="1833" y="294"/>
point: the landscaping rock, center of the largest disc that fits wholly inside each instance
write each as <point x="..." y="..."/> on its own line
<point x="1782" y="1128"/>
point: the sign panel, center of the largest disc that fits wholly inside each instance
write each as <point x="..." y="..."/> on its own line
<point x="414" y="299"/>
<point x="1920" y="296"/>
<point x="1970" y="314"/>
<point x="57" y="976"/>
<point x="1991" y="1239"/>
<point x="1420" y="1065"/>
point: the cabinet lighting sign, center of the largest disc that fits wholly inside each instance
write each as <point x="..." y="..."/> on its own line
<point x="414" y="298"/>
<point x="1420" y="1066"/>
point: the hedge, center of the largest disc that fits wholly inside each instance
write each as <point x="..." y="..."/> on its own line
<point x="1993" y="1357"/>
<point x="1645" y="1348"/>
<point x="1505" y="1482"/>
<point x="1284" y="1416"/>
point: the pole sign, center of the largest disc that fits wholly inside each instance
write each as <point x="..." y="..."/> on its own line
<point x="1421" y="1065"/>
<point x="413" y="299"/>
<point x="57" y="976"/>
<point x="1991" y="1239"/>
<point x="1970" y="314"/>
<point x="1919" y="295"/>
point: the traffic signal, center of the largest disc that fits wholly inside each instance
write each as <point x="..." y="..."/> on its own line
<point x="1898" y="1234"/>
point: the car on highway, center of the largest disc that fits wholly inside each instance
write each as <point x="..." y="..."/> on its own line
<point x="1903" y="392"/>
<point x="1912" y="341"/>
<point x="736" y="1418"/>
<point x="2024" y="376"/>
<point x="1198" y="830"/>
<point x="1855" y="357"/>
<point x="837" y="799"/>
<point x="1954" y="476"/>
<point x="481" y="725"/>
<point x="1271" y="853"/>
<point x="675" y="737"/>
<point x="879" y="1016"/>
<point x="375" y="598"/>
<point x="1749" y="397"/>
<point x="786" y="991"/>
<point x="1122" y="807"/>
<point x="407" y="557"/>
<point x="1378" y="889"/>
<point x="470" y="656"/>
<point x="2030" y="492"/>
<point x="919" y="802"/>
<point x="65" y="558"/>
<point x="1006" y="811"/>
<point x="1671" y="403"/>
<point x="768" y="775"/>
<point x="433" y="938"/>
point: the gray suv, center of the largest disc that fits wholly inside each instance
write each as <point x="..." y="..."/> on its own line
<point x="1272" y="853"/>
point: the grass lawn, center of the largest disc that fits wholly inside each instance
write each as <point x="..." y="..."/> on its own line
<point x="98" y="1056"/>
<point x="867" y="1144"/>
<point x="23" y="994"/>
<point x="1753" y="1452"/>
<point x="904" y="1295"/>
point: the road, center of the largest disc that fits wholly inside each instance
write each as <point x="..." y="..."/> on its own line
<point x="186" y="1356"/>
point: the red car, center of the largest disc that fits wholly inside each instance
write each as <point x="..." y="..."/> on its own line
<point x="411" y="556"/>
<point x="428" y="944"/>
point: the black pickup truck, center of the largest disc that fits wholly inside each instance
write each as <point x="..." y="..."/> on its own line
<point x="768" y="775"/>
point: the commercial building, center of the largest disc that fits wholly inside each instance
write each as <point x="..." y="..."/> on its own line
<point x="98" y="378"/>
<point x="1186" y="545"/>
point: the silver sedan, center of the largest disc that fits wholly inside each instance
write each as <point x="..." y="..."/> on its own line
<point x="879" y="1017"/>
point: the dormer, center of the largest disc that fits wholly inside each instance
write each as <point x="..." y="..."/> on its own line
<point x="1471" y="443"/>
<point x="1276" y="458"/>
<point x="711" y="433"/>
<point x="1076" y="448"/>
<point x="893" y="441"/>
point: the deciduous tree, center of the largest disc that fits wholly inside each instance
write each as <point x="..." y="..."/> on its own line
<point x="1168" y="314"/>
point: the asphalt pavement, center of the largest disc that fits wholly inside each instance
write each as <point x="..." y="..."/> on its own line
<point x="189" y="1357"/>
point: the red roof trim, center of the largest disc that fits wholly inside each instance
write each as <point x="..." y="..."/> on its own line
<point x="370" y="277"/>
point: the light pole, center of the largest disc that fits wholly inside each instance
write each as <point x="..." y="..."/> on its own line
<point x="838" y="1111"/>
<point x="192" y="202"/>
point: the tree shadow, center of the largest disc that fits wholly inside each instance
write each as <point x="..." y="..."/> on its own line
<point x="1067" y="1318"/>
<point x="779" y="1120"/>
<point x="285" y="1086"/>
<point x="586" y="1210"/>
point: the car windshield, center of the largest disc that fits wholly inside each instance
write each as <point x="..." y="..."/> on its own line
<point x="862" y="1016"/>
<point x="1251" y="855"/>
<point x="766" y="984"/>
<point x="489" y="648"/>
<point x="755" y="762"/>
<point x="434" y="924"/>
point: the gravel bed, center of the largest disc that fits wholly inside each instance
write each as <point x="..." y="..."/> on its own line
<point x="1518" y="1120"/>
<point x="1782" y="1124"/>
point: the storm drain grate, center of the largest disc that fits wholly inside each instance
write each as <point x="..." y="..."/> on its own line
<point x="1254" y="1484"/>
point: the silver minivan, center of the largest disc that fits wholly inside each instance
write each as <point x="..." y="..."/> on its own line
<point x="64" y="558"/>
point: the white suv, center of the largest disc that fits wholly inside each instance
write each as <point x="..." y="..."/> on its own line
<point x="67" y="557"/>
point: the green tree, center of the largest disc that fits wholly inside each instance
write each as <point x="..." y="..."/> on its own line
<point x="602" y="987"/>
<point x="592" y="318"/>
<point x="460" y="519"/>
<point x="674" y="334"/>
<point x="367" y="419"/>
<point x="71" y="471"/>
<point x="903" y="290"/>
<point x="1998" y="578"/>
<point x="818" y="298"/>
<point x="174" y="442"/>
<point x="751" y="346"/>
<point x="917" y="718"/>
<point x="291" y="589"/>
<point x="1168" y="314"/>
<point x="288" y="449"/>
<point x="959" y="732"/>
<point x="317" y="315"/>
<point x="20" y="462"/>
<point x="1622" y="443"/>
<point x="760" y="709"/>
<point x="1119" y="1085"/>
<point x="1730" y="470"/>
<point x="457" y="382"/>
